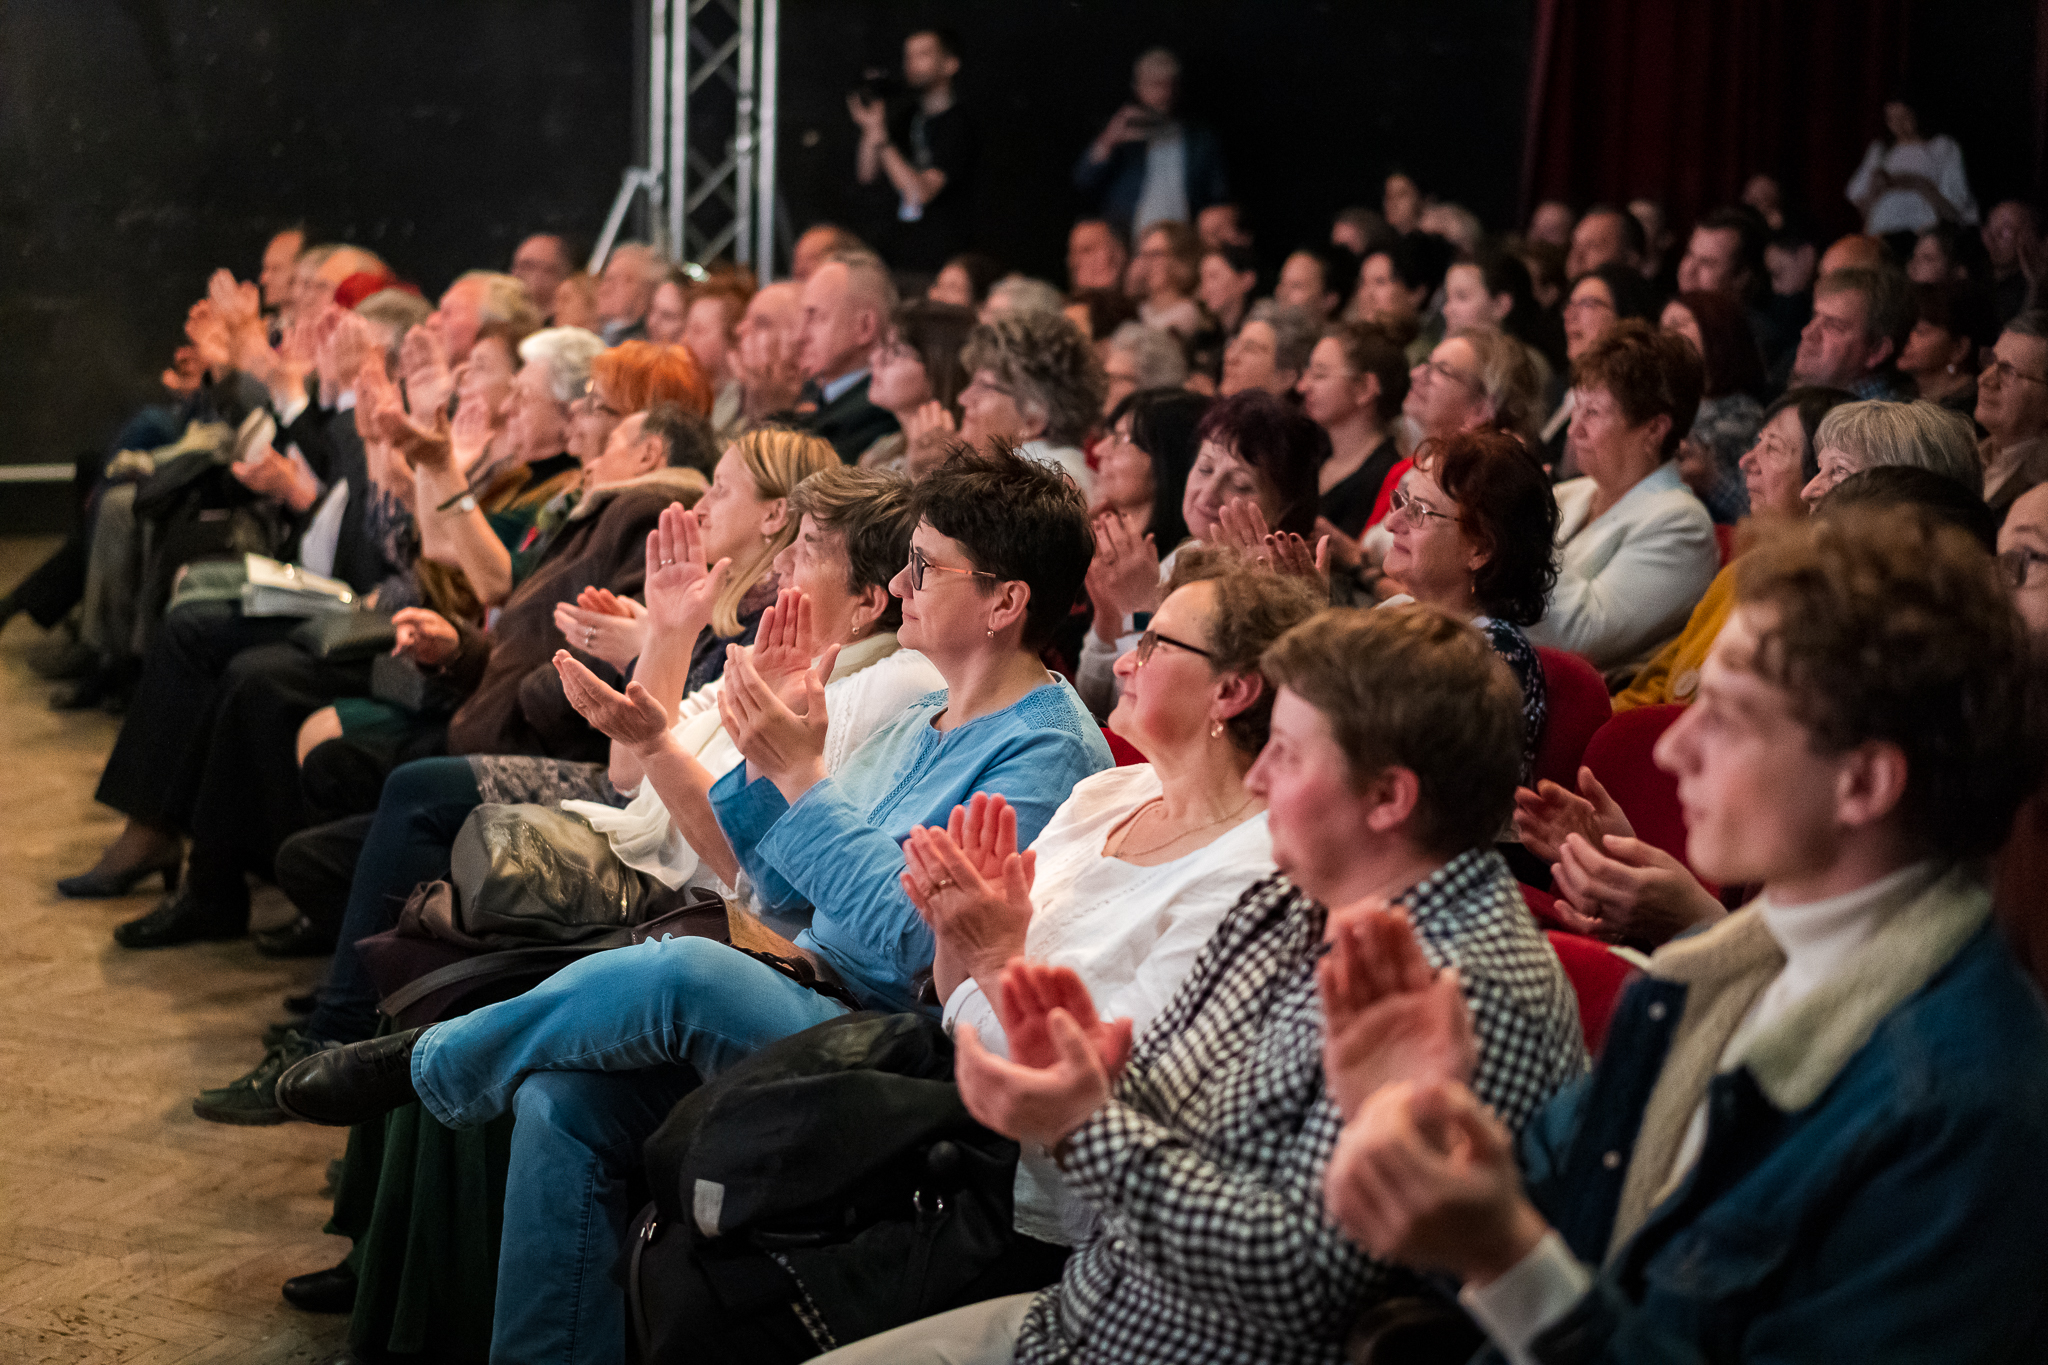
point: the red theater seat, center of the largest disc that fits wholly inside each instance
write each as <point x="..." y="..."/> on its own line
<point x="1597" y="974"/>
<point x="1578" y="706"/>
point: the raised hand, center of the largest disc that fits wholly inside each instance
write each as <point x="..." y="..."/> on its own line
<point x="618" y="640"/>
<point x="426" y="635"/>
<point x="237" y="303"/>
<point x="785" y="646"/>
<point x="1241" y="526"/>
<point x="1124" y="575"/>
<point x="928" y="439"/>
<point x="1426" y="1176"/>
<point x="1545" y="816"/>
<point x="680" y="590"/>
<point x="1623" y="890"/>
<point x="471" y="432"/>
<point x="1063" y="1060"/>
<point x="209" y="336"/>
<point x="605" y="602"/>
<point x="344" y="343"/>
<point x="771" y="375"/>
<point x="786" y="748"/>
<point x="984" y="829"/>
<point x="1387" y="1014"/>
<point x="632" y="718"/>
<point x="423" y="360"/>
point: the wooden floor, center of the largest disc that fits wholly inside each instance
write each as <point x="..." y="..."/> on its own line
<point x="130" y="1230"/>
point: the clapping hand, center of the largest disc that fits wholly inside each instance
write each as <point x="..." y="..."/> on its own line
<point x="1387" y="1014"/>
<point x="209" y="337"/>
<point x="272" y="475"/>
<point x="1623" y="890"/>
<point x="423" y="360"/>
<point x="476" y="424"/>
<point x="680" y="590"/>
<point x="426" y="635"/>
<point x="1242" y="526"/>
<point x="785" y="646"/>
<point x="786" y="748"/>
<point x="615" y="637"/>
<point x="928" y="439"/>
<point x="1063" y="1059"/>
<point x="972" y="886"/>
<point x="1123" y="577"/>
<point x="1426" y="1175"/>
<point x="1545" y="816"/>
<point x="770" y="371"/>
<point x="632" y="718"/>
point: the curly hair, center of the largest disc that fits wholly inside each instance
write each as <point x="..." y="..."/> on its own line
<point x="1049" y="365"/>
<point x="1649" y="372"/>
<point x="1505" y="505"/>
<point x="1017" y="519"/>
<point x="1253" y="607"/>
<point x="1892" y="626"/>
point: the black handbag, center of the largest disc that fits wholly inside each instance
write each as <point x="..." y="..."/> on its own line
<point x="826" y="1188"/>
<point x="343" y="637"/>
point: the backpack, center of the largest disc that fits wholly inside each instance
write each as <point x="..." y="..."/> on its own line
<point x="826" y="1188"/>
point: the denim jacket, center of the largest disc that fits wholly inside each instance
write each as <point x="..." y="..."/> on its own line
<point x="1874" y="1181"/>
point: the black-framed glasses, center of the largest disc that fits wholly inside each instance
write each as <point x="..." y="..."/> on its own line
<point x="2018" y="566"/>
<point x="918" y="564"/>
<point x="1401" y="500"/>
<point x="1152" y="639"/>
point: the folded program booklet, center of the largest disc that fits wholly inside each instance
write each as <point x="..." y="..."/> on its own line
<point x="276" y="589"/>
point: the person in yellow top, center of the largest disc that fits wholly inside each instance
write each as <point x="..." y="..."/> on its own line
<point x="1777" y="468"/>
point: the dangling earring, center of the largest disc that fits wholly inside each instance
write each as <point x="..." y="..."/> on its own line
<point x="1216" y="730"/>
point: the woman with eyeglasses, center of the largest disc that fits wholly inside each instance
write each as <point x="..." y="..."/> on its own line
<point x="1130" y="877"/>
<point x="593" y="1058"/>
<point x="1473" y="528"/>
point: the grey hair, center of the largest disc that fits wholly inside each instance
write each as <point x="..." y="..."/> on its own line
<point x="642" y="257"/>
<point x="1047" y="364"/>
<point x="504" y="299"/>
<point x="567" y="353"/>
<point x="870" y="283"/>
<point x="1507" y="375"/>
<point x="2032" y="323"/>
<point x="1015" y="295"/>
<point x="1922" y="434"/>
<point x="1161" y="362"/>
<point x="1295" y="332"/>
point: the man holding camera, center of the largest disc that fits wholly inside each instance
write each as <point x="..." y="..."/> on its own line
<point x="1148" y="165"/>
<point x="926" y="160"/>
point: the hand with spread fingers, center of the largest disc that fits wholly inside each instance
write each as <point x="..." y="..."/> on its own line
<point x="785" y="646"/>
<point x="786" y="748"/>
<point x="1623" y="890"/>
<point x="476" y="424"/>
<point x="429" y="378"/>
<point x="1063" y="1059"/>
<point x="1124" y="575"/>
<point x="1242" y="526"/>
<point x="1425" y="1175"/>
<point x="973" y="888"/>
<point x="680" y="590"/>
<point x="1387" y="1014"/>
<point x="618" y="640"/>
<point x="771" y="373"/>
<point x="632" y="718"/>
<point x="1546" y="816"/>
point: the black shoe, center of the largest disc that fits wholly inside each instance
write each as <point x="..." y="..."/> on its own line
<point x="324" y="1291"/>
<point x="181" y="919"/>
<point x="301" y="1004"/>
<point x="251" y="1100"/>
<point x="99" y="885"/>
<point x="344" y="1086"/>
<point x="300" y="938"/>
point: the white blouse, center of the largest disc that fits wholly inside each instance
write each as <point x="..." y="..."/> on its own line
<point x="872" y="682"/>
<point x="1939" y="159"/>
<point x="1131" y="933"/>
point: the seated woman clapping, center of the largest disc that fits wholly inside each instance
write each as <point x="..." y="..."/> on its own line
<point x="1132" y="874"/>
<point x="853" y="536"/>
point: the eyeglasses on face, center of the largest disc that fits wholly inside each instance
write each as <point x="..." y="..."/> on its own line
<point x="2018" y="566"/>
<point x="1443" y="371"/>
<point x="1152" y="639"/>
<point x="1409" y="505"/>
<point x="918" y="565"/>
<point x="2007" y="372"/>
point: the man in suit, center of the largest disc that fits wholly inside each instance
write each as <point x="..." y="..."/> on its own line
<point x="848" y="303"/>
<point x="1149" y="165"/>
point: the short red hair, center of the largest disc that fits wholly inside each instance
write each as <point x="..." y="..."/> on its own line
<point x="635" y="375"/>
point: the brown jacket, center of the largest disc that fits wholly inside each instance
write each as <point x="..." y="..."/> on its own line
<point x="514" y="702"/>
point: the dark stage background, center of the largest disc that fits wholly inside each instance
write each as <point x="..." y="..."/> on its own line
<point x="143" y="142"/>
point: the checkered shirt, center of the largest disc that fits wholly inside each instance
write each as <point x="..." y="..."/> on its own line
<point x="1207" y="1162"/>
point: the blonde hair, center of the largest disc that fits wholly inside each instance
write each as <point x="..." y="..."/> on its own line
<point x="777" y="459"/>
<point x="1507" y="376"/>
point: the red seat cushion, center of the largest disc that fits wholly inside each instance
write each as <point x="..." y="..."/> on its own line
<point x="1577" y="705"/>
<point x="1122" y="750"/>
<point x="1620" y="756"/>
<point x="1597" y="975"/>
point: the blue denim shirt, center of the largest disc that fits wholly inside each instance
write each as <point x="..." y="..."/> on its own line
<point x="1901" y="1215"/>
<point x="839" y="849"/>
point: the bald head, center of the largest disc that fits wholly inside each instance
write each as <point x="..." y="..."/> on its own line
<point x="627" y="286"/>
<point x="846" y="307"/>
<point x="1857" y="250"/>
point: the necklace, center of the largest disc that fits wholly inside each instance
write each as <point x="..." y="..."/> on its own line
<point x="1124" y="850"/>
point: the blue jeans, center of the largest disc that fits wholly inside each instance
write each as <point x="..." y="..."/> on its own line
<point x="666" y="1012"/>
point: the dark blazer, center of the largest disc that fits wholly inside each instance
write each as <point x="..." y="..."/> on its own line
<point x="850" y="422"/>
<point x="1113" y="186"/>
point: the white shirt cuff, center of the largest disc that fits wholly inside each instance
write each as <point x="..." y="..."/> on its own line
<point x="1543" y="1287"/>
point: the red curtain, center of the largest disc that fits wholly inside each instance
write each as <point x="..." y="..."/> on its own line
<point x="1683" y="101"/>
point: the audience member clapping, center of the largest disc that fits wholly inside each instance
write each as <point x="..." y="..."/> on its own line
<point x="915" y="375"/>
